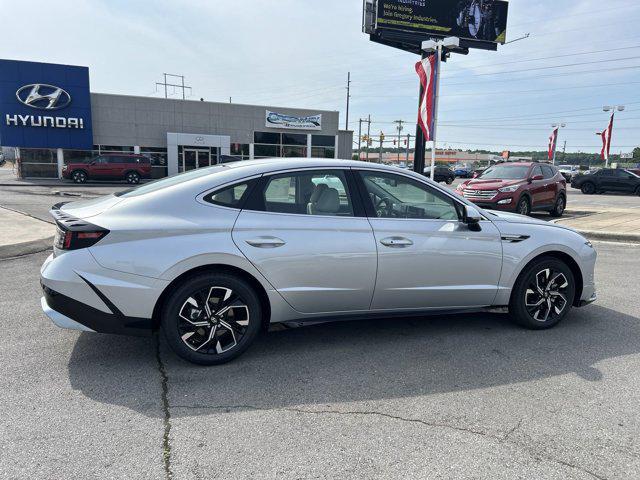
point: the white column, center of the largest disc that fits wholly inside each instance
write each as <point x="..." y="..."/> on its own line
<point x="136" y="149"/>
<point x="60" y="155"/>
<point x="309" y="145"/>
<point x="251" y="151"/>
<point x="335" y="149"/>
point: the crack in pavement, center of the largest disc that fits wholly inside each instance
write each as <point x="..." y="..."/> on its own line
<point x="166" y="421"/>
<point x="504" y="439"/>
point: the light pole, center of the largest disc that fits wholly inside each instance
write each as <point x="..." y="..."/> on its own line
<point x="555" y="146"/>
<point x="612" y="109"/>
<point x="437" y="46"/>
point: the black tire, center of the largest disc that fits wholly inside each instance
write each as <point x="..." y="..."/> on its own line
<point x="450" y="180"/>
<point x="220" y="337"/>
<point x="588" y="188"/>
<point x="132" y="177"/>
<point x="559" y="206"/>
<point x="638" y="191"/>
<point x="552" y="296"/>
<point x="524" y="206"/>
<point x="79" y="176"/>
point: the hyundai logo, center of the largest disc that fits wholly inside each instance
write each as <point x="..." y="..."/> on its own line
<point x="43" y="96"/>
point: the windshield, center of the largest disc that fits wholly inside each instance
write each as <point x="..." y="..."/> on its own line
<point x="169" y="181"/>
<point x="505" y="172"/>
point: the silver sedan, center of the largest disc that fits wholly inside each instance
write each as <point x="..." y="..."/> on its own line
<point x="212" y="256"/>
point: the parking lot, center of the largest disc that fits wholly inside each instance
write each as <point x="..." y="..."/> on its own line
<point x="461" y="396"/>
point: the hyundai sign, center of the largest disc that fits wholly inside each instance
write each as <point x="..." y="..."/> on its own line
<point x="43" y="105"/>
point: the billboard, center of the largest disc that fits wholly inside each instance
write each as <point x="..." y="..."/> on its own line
<point x="280" y="120"/>
<point x="44" y="105"/>
<point x="481" y="20"/>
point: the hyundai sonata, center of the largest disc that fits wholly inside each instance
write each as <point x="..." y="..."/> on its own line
<point x="212" y="256"/>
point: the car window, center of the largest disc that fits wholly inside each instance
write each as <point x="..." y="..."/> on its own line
<point x="548" y="171"/>
<point x="606" y="173"/>
<point x="621" y="174"/>
<point x="232" y="196"/>
<point x="308" y="193"/>
<point x="396" y="196"/>
<point x="536" y="171"/>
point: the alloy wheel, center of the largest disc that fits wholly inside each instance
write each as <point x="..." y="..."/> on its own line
<point x="560" y="205"/>
<point x="523" y="207"/>
<point x="213" y="320"/>
<point x="546" y="296"/>
<point x="132" y="178"/>
<point x="79" y="177"/>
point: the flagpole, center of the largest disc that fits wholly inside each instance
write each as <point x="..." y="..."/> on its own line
<point x="418" y="154"/>
<point x="435" y="109"/>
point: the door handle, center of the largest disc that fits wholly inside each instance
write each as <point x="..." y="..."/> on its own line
<point x="396" y="242"/>
<point x="266" y="242"/>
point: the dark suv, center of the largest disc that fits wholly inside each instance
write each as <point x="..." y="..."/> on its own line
<point x="110" y="166"/>
<point x="518" y="187"/>
<point x="442" y="174"/>
<point x="607" y="180"/>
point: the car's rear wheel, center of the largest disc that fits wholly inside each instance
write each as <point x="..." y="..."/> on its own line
<point x="638" y="191"/>
<point x="211" y="318"/>
<point x="588" y="188"/>
<point x="449" y="180"/>
<point x="524" y="207"/>
<point x="559" y="207"/>
<point x="132" y="177"/>
<point x="543" y="294"/>
<point x="79" y="176"/>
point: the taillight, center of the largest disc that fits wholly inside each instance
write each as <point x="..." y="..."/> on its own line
<point x="70" y="240"/>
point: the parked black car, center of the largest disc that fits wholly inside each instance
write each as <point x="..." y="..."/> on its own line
<point x="443" y="174"/>
<point x="607" y="180"/>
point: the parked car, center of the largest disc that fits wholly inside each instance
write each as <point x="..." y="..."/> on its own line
<point x="110" y="166"/>
<point x="442" y="174"/>
<point x="607" y="180"/>
<point x="522" y="187"/>
<point x="211" y="256"/>
<point x="569" y="171"/>
<point x="463" y="172"/>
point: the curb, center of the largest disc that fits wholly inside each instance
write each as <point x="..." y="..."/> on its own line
<point x="610" y="236"/>
<point x="25" y="248"/>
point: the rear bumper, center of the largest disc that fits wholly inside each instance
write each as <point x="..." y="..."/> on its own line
<point x="68" y="313"/>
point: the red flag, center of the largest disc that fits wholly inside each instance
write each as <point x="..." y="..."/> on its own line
<point x="427" y="71"/>
<point x="553" y="140"/>
<point x="606" y="140"/>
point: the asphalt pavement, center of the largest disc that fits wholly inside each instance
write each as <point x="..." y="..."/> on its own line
<point x="462" y="396"/>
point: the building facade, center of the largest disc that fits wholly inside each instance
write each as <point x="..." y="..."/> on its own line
<point x="49" y="115"/>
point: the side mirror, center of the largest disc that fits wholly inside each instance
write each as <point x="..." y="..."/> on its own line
<point x="472" y="218"/>
<point x="535" y="178"/>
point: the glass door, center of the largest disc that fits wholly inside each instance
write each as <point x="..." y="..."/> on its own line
<point x="193" y="158"/>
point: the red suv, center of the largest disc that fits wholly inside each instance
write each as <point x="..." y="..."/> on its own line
<point x="518" y="187"/>
<point x="110" y="166"/>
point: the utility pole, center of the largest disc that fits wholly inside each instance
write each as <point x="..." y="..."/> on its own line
<point x="346" y="123"/>
<point x="408" y="142"/>
<point x="381" y="141"/>
<point x="359" y="137"/>
<point x="399" y="122"/>
<point x="181" y="85"/>
<point x="612" y="109"/>
<point x="564" y="152"/>
<point x="368" y="135"/>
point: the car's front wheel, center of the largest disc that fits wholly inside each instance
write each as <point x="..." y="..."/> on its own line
<point x="524" y="207"/>
<point x="543" y="294"/>
<point x="79" y="176"/>
<point x="211" y="318"/>
<point x="450" y="180"/>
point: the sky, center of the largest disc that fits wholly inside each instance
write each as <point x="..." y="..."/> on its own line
<point x="580" y="55"/>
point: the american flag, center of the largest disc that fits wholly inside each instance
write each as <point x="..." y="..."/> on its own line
<point x="606" y="139"/>
<point x="553" y="140"/>
<point x="427" y="71"/>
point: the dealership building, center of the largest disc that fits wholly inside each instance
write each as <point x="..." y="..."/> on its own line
<point x="49" y="117"/>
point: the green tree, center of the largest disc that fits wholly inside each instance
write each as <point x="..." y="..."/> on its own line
<point x="636" y="153"/>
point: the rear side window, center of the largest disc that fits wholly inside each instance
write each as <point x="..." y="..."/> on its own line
<point x="316" y="192"/>
<point x="548" y="172"/>
<point x="232" y="197"/>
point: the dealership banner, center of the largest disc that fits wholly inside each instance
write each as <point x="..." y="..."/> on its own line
<point x="484" y="20"/>
<point x="279" y="120"/>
